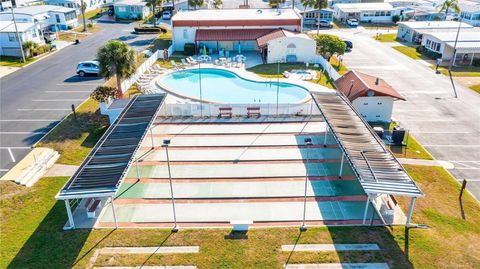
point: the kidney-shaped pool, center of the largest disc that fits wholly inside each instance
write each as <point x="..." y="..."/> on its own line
<point x="227" y="87"/>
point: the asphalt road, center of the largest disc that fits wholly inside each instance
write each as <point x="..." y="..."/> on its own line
<point x="448" y="127"/>
<point x="35" y="98"/>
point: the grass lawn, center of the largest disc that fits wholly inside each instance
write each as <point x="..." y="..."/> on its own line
<point x="14" y="61"/>
<point x="270" y="71"/>
<point x="163" y="41"/>
<point x="32" y="236"/>
<point x="90" y="15"/>
<point x="74" y="139"/>
<point x="460" y="71"/>
<point x="341" y="68"/>
<point x="410" y="52"/>
<point x="386" y="37"/>
<point x="476" y="88"/>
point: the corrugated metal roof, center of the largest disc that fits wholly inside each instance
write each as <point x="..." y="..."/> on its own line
<point x="378" y="171"/>
<point x="230" y="34"/>
<point x="104" y="168"/>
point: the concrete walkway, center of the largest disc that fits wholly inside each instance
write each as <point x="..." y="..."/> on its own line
<point x="60" y="170"/>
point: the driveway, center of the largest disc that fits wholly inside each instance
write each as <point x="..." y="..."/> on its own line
<point x="448" y="127"/>
<point x="35" y="98"/>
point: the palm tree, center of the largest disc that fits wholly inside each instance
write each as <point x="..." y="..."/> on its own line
<point x="195" y="3"/>
<point x="116" y="59"/>
<point x="154" y="4"/>
<point x="28" y="47"/>
<point x="317" y="5"/>
<point x="449" y="5"/>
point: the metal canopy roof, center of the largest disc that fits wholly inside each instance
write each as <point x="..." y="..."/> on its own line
<point x="378" y="171"/>
<point x="104" y="168"/>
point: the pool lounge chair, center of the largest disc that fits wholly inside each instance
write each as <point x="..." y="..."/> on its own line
<point x="191" y="60"/>
<point x="286" y="73"/>
<point x="184" y="62"/>
<point x="175" y="65"/>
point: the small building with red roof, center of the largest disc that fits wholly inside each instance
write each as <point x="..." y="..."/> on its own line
<point x="371" y="96"/>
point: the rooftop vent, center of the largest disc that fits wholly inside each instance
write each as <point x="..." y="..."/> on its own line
<point x="377" y="81"/>
<point x="259" y="11"/>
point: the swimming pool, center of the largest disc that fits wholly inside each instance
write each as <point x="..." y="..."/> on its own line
<point x="224" y="86"/>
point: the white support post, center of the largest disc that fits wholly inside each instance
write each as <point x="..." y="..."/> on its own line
<point x="70" y="215"/>
<point x="410" y="211"/>
<point x="151" y="137"/>
<point x="366" y="209"/>
<point x="471" y="60"/>
<point x="325" y="137"/>
<point x="113" y="211"/>
<point x="341" y="165"/>
<point x="136" y="166"/>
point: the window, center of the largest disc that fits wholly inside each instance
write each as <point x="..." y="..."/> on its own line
<point x="122" y="9"/>
<point x="291" y="49"/>
<point x="57" y="17"/>
<point x="12" y="37"/>
<point x="388" y="13"/>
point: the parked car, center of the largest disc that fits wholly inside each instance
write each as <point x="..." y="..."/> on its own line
<point x="325" y="23"/>
<point x="349" y="44"/>
<point x="167" y="15"/>
<point x="88" y="67"/>
<point x="352" y="22"/>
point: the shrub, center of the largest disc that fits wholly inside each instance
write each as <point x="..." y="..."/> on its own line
<point x="70" y="27"/>
<point x="420" y="49"/>
<point x="148" y="30"/>
<point x="476" y="62"/>
<point x="395" y="18"/>
<point x="189" y="49"/>
<point x="103" y="93"/>
<point x="89" y="25"/>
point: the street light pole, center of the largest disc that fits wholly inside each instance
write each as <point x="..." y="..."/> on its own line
<point x="200" y="84"/>
<point x="166" y="142"/>
<point x="20" y="44"/>
<point x="452" y="61"/>
<point x="278" y="84"/>
<point x="308" y="143"/>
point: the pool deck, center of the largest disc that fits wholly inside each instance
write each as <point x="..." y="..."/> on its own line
<point x="238" y="170"/>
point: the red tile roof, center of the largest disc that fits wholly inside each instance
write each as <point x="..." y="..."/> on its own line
<point x="362" y="83"/>
<point x="263" y="40"/>
<point x="230" y="34"/>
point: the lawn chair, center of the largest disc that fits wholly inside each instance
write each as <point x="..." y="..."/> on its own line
<point x="176" y="66"/>
<point x="184" y="63"/>
<point x="191" y="60"/>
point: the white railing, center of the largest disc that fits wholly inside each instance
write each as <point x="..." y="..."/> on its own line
<point x="127" y="83"/>
<point x="212" y="110"/>
<point x="332" y="73"/>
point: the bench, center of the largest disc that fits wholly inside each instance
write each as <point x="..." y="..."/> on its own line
<point x="240" y="225"/>
<point x="88" y="202"/>
<point x="253" y="111"/>
<point x="92" y="209"/>
<point x="225" y="111"/>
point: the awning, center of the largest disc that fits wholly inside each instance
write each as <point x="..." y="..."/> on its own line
<point x="230" y="34"/>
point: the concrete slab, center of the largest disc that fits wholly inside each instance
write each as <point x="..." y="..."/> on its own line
<point x="237" y="140"/>
<point x="150" y="250"/>
<point x="330" y="247"/>
<point x="255" y="128"/>
<point x="58" y="170"/>
<point x="242" y="154"/>
<point x="338" y="266"/>
<point x="239" y="170"/>
<point x="247" y="189"/>
<point x="225" y="212"/>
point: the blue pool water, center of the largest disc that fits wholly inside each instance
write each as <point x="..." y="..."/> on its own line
<point x="227" y="87"/>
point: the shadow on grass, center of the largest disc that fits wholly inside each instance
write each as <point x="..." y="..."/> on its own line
<point x="159" y="246"/>
<point x="49" y="246"/>
<point x="236" y="235"/>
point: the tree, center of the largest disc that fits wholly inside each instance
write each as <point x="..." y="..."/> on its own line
<point x="196" y="3"/>
<point x="217" y="3"/>
<point x="317" y="5"/>
<point x="154" y="4"/>
<point x="329" y="45"/>
<point x="275" y="3"/>
<point x="103" y="93"/>
<point x="83" y="7"/>
<point x="449" y="5"/>
<point x="117" y="59"/>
